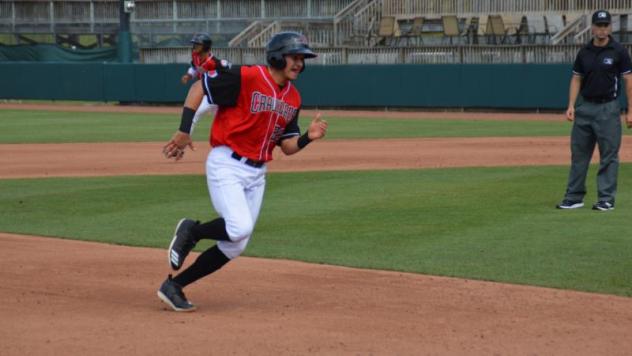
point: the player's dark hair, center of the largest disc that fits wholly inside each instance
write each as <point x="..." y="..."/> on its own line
<point x="287" y="43"/>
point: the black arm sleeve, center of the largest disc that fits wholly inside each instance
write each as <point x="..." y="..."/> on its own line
<point x="222" y="87"/>
<point x="625" y="65"/>
<point x="291" y="129"/>
<point x="577" y="66"/>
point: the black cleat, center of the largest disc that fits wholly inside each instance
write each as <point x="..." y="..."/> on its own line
<point x="603" y="205"/>
<point x="570" y="204"/>
<point x="171" y="293"/>
<point x="181" y="244"/>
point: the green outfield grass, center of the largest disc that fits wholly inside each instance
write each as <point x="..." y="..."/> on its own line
<point x="486" y="223"/>
<point x="23" y="126"/>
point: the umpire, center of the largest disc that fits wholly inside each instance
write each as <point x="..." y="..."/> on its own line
<point x="596" y="117"/>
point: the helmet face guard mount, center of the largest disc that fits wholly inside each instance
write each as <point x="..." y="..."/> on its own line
<point x="287" y="43"/>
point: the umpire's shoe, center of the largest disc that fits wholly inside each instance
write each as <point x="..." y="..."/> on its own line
<point x="171" y="293"/>
<point x="570" y="204"/>
<point x="603" y="205"/>
<point x="181" y="244"/>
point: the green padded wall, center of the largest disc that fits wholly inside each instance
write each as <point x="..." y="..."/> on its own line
<point x="500" y="86"/>
<point x="437" y="85"/>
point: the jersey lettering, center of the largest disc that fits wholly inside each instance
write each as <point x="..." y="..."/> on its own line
<point x="264" y="103"/>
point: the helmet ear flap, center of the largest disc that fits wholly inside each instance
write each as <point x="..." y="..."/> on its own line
<point x="279" y="62"/>
<point x="276" y="60"/>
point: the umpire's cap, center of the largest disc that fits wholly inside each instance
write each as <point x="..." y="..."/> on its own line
<point x="284" y="43"/>
<point x="202" y="38"/>
<point x="601" y="17"/>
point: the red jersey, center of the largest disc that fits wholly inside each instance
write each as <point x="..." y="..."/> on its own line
<point x="254" y="114"/>
<point x="208" y="64"/>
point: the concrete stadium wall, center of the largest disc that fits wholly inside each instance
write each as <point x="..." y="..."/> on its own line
<point x="501" y="86"/>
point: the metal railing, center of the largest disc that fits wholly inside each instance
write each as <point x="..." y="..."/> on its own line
<point x="226" y="19"/>
<point x="86" y="11"/>
<point x="356" y="21"/>
<point x="264" y="36"/>
<point x="247" y="33"/>
<point x="320" y="34"/>
<point x="499" y="54"/>
<point x="405" y="8"/>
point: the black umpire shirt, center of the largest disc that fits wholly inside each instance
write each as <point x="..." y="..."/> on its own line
<point x="600" y="69"/>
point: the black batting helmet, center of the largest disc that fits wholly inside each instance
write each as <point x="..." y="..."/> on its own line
<point x="203" y="39"/>
<point x="284" y="43"/>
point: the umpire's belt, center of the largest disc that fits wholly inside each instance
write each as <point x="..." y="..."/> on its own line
<point x="599" y="100"/>
<point x="248" y="161"/>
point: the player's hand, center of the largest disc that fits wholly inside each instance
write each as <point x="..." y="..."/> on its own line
<point x="317" y="128"/>
<point x="185" y="78"/>
<point x="628" y="119"/>
<point x="570" y="113"/>
<point x="175" y="148"/>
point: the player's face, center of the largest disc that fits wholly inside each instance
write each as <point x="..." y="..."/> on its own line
<point x="198" y="48"/>
<point x="601" y="31"/>
<point x="295" y="63"/>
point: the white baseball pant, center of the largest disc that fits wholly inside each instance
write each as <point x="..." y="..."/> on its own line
<point x="205" y="107"/>
<point x="236" y="191"/>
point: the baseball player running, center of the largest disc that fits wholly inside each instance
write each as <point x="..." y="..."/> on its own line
<point x="258" y="110"/>
<point x="202" y="61"/>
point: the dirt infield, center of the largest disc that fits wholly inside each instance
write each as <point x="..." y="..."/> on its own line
<point x="102" y="302"/>
<point x="107" y="159"/>
<point x="70" y="297"/>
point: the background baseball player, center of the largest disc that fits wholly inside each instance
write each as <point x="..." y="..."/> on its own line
<point x="258" y="110"/>
<point x="202" y="61"/>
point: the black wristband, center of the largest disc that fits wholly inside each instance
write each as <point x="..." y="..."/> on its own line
<point x="303" y="141"/>
<point x="187" y="119"/>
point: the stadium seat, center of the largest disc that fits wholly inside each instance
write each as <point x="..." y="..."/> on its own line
<point x="495" y="29"/>
<point x="411" y="30"/>
<point x="495" y="25"/>
<point x="7" y="39"/>
<point x="387" y="29"/>
<point x="418" y="25"/>
<point x="35" y="38"/>
<point x="450" y="27"/>
<point x="555" y="23"/>
<point x="88" y="40"/>
<point x="537" y="27"/>
<point x="387" y="26"/>
<point x="512" y="24"/>
<point x="522" y="31"/>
